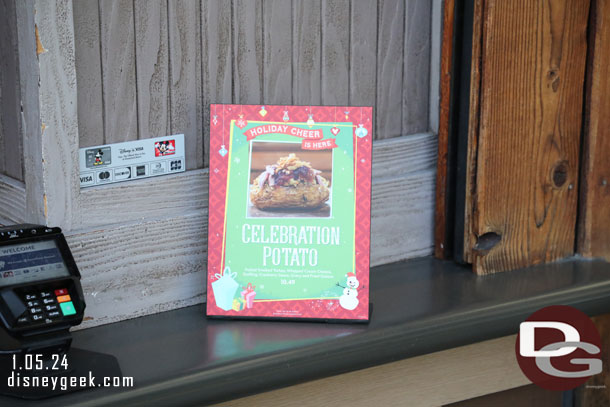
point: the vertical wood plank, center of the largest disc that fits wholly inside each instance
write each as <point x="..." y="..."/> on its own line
<point x="185" y="77"/>
<point x="469" y="236"/>
<point x="87" y="49"/>
<point x="216" y="40"/>
<point x="30" y="129"/>
<point x="277" y="23"/>
<point x="118" y="70"/>
<point x="335" y="52"/>
<point x="390" y="46"/>
<point x="594" y="220"/>
<point x="58" y="112"/>
<point x="11" y="150"/>
<point x="363" y="54"/>
<point x="306" y="55"/>
<point x="442" y="207"/>
<point x="2" y="148"/>
<point x="529" y="132"/>
<point x="436" y="34"/>
<point x="152" y="68"/>
<point x="416" y="70"/>
<point x="248" y="51"/>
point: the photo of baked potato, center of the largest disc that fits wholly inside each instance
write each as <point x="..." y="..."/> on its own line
<point x="289" y="184"/>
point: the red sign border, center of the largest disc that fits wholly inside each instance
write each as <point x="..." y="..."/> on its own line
<point x="221" y="118"/>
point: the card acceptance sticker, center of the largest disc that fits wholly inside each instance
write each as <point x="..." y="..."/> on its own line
<point x="131" y="160"/>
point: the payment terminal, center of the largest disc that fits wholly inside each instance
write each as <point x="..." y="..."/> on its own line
<point x="40" y="300"/>
<point x="40" y="292"/>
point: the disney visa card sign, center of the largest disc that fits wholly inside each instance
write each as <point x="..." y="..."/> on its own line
<point x="289" y="212"/>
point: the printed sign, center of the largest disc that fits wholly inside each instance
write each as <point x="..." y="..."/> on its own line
<point x="289" y="212"/>
<point x="131" y="160"/>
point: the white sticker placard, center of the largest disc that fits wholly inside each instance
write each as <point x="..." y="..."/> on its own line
<point x="131" y="160"/>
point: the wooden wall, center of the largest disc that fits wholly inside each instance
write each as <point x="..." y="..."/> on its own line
<point x="148" y="68"/>
<point x="513" y="159"/>
<point x="594" y="215"/>
<point x="10" y="137"/>
<point x="113" y="70"/>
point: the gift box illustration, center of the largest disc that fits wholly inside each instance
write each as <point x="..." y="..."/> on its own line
<point x="248" y="294"/>
<point x="224" y="289"/>
<point x="239" y="304"/>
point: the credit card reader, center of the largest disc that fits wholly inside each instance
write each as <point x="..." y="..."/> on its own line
<point x="40" y="292"/>
<point x="40" y="300"/>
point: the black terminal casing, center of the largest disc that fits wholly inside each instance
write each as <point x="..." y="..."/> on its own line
<point x="20" y="334"/>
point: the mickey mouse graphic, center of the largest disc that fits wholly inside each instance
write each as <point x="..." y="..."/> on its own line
<point x="98" y="158"/>
<point x="165" y="148"/>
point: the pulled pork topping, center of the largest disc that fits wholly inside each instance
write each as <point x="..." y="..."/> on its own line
<point x="289" y="172"/>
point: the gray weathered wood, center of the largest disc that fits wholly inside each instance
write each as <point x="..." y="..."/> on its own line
<point x="12" y="200"/>
<point x="140" y="265"/>
<point x="277" y="23"/>
<point x="153" y="203"/>
<point x="186" y="78"/>
<point x="152" y="68"/>
<point x="248" y="51"/>
<point x="391" y="20"/>
<point x="151" y="260"/>
<point x="1" y="129"/>
<point x="417" y="153"/>
<point x="30" y="128"/>
<point x="118" y="70"/>
<point x="88" y="72"/>
<point x="217" y="70"/>
<point x="306" y="52"/>
<point x="10" y="139"/>
<point x="141" y="268"/>
<point x="335" y="52"/>
<point x="436" y="31"/>
<point x="416" y="70"/>
<point x="363" y="55"/>
<point x="59" y="120"/>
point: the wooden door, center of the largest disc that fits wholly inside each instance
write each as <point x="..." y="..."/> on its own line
<point x="520" y="135"/>
<point x="525" y="178"/>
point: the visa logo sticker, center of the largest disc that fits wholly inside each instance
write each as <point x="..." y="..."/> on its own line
<point x="131" y="160"/>
<point x="86" y="179"/>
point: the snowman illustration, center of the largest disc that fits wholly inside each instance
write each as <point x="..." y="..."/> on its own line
<point x="349" y="299"/>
